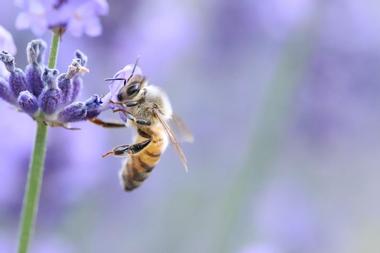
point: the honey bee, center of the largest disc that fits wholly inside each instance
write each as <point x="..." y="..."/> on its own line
<point x="149" y="111"/>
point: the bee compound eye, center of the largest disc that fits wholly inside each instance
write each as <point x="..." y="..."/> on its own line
<point x="133" y="89"/>
<point x="120" y="97"/>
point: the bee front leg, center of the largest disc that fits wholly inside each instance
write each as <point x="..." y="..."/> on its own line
<point x="143" y="122"/>
<point x="124" y="150"/>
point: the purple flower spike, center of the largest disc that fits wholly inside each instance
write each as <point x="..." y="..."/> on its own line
<point x="5" y="92"/>
<point x="43" y="92"/>
<point x="50" y="98"/>
<point x="74" y="112"/>
<point x="28" y="102"/>
<point x="17" y="80"/>
<point x="94" y="106"/>
<point x="35" y="52"/>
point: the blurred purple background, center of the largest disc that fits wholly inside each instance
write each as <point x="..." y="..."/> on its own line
<point x="282" y="98"/>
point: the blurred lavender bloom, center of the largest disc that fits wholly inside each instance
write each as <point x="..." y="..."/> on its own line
<point x="43" y="94"/>
<point x="288" y="15"/>
<point x="76" y="16"/>
<point x="6" y="44"/>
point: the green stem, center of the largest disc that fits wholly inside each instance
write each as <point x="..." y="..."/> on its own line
<point x="34" y="181"/>
<point x="54" y="49"/>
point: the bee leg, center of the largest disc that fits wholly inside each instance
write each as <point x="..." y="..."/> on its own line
<point x="105" y="124"/>
<point x="123" y="150"/>
<point x="143" y="122"/>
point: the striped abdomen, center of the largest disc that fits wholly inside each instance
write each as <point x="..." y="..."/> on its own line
<point x="137" y="167"/>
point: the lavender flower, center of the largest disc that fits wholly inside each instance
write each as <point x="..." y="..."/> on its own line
<point x="78" y="17"/>
<point x="44" y="94"/>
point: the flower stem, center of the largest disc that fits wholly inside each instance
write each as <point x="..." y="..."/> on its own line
<point x="54" y="49"/>
<point x="35" y="175"/>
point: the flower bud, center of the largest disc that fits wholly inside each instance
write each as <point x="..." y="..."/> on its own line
<point x="33" y="72"/>
<point x="51" y="97"/>
<point x="74" y="112"/>
<point x="17" y="80"/>
<point x="93" y="106"/>
<point x="65" y="83"/>
<point x="28" y="102"/>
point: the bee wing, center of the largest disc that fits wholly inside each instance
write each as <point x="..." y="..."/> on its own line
<point x="183" y="130"/>
<point x="173" y="139"/>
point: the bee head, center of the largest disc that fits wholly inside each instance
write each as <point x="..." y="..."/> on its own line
<point x="132" y="89"/>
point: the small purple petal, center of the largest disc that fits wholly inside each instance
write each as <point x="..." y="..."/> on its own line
<point x="74" y="112"/>
<point x="17" y="81"/>
<point x="115" y="86"/>
<point x="82" y="57"/>
<point x="70" y="88"/>
<point x="49" y="77"/>
<point x="28" y="102"/>
<point x="33" y="72"/>
<point x="8" y="60"/>
<point x="5" y="92"/>
<point x="49" y="100"/>
<point x="36" y="51"/>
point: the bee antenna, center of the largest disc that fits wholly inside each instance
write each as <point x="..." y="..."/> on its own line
<point x="116" y="79"/>
<point x="134" y="67"/>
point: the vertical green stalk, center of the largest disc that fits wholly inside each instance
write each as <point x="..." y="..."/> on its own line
<point x="268" y="136"/>
<point x="35" y="174"/>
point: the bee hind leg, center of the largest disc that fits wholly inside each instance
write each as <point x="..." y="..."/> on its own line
<point x="105" y="124"/>
<point x="124" y="150"/>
